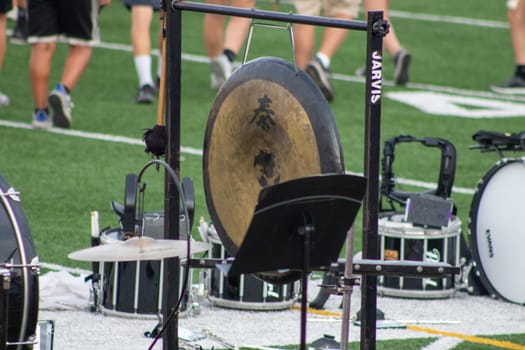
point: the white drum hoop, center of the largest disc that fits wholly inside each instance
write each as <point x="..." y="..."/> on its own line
<point x="496" y="229"/>
<point x="428" y="244"/>
<point x="271" y="296"/>
<point x="18" y="254"/>
<point x="145" y="297"/>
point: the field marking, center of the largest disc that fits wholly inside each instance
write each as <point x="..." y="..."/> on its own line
<point x="342" y="77"/>
<point x="472" y="339"/>
<point x="186" y="150"/>
<point x="426" y="17"/>
<point x="93" y="136"/>
<point x="464" y="337"/>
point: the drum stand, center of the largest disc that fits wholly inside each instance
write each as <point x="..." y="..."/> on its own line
<point x="301" y="224"/>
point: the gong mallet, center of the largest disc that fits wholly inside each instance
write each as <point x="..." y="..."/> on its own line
<point x="155" y="138"/>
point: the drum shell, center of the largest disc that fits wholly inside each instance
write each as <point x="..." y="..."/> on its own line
<point x="418" y="244"/>
<point x="5" y="280"/>
<point x="246" y="292"/>
<point x="132" y="288"/>
<point x="17" y="248"/>
<point x="496" y="230"/>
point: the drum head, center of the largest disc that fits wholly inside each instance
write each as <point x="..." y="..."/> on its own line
<point x="269" y="123"/>
<point x="497" y="218"/>
<point x="17" y="247"/>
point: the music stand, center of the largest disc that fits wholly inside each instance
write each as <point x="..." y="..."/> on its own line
<point x="301" y="225"/>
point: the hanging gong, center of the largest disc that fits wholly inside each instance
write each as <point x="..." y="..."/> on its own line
<point x="269" y="123"/>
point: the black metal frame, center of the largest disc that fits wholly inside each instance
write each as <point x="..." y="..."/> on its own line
<point x="376" y="28"/>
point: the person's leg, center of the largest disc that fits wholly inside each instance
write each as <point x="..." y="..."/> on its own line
<point x="390" y="41"/>
<point x="4" y="100"/>
<point x="80" y="33"/>
<point x="19" y="35"/>
<point x="3" y="40"/>
<point x="213" y="28"/>
<point x="516" y="18"/>
<point x="304" y="35"/>
<point x="213" y="32"/>
<point x="517" y="30"/>
<point x="39" y="71"/>
<point x="304" y="39"/>
<point x="141" y="17"/>
<point x="391" y="44"/>
<point x="237" y="28"/>
<point x="332" y="39"/>
<point x="76" y="63"/>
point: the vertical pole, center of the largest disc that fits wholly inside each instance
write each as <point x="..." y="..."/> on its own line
<point x="347" y="296"/>
<point x="171" y="200"/>
<point x="374" y="61"/>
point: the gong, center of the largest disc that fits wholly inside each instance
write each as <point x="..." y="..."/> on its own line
<point x="268" y="123"/>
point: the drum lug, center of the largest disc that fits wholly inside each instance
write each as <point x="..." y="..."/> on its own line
<point x="343" y="285"/>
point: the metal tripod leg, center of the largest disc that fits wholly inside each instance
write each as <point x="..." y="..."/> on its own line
<point x="347" y="296"/>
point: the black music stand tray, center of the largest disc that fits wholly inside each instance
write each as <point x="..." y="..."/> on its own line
<point x="301" y="225"/>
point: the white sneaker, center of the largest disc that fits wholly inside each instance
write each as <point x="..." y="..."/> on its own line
<point x="42" y="120"/>
<point x="221" y="69"/>
<point x="4" y="100"/>
<point x="61" y="106"/>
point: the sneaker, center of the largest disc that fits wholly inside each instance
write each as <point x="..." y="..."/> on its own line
<point x="42" y="120"/>
<point x="4" y="100"/>
<point x="401" y="64"/>
<point x="61" y="106"/>
<point x="221" y="69"/>
<point x="361" y="71"/>
<point x="145" y="94"/>
<point x="19" y="35"/>
<point x="320" y="74"/>
<point x="515" y="85"/>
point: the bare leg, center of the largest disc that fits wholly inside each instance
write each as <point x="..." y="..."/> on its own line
<point x="517" y="29"/>
<point x="76" y="62"/>
<point x="141" y="17"/>
<point x="237" y="27"/>
<point x="390" y="41"/>
<point x="304" y="38"/>
<point x="3" y="40"/>
<point x="213" y="31"/>
<point x="333" y="38"/>
<point x="39" y="71"/>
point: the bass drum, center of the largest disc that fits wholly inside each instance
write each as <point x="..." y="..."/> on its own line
<point x="268" y="124"/>
<point x="496" y="229"/>
<point x="17" y="253"/>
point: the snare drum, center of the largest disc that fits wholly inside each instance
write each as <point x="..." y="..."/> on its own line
<point x="246" y="292"/>
<point x="496" y="229"/>
<point x="133" y="288"/>
<point x="17" y="254"/>
<point x="403" y="241"/>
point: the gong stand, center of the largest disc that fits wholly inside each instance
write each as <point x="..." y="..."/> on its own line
<point x="376" y="28"/>
<point x="301" y="225"/>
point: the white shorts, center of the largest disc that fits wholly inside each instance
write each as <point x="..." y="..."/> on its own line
<point x="328" y="8"/>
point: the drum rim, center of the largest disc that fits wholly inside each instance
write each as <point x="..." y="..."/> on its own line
<point x="416" y="232"/>
<point x="472" y="226"/>
<point x="28" y="259"/>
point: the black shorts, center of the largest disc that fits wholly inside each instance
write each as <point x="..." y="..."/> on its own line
<point x="6" y="6"/>
<point x="74" y="20"/>
<point x="153" y="3"/>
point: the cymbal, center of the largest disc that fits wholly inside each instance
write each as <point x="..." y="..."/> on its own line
<point x="138" y="248"/>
